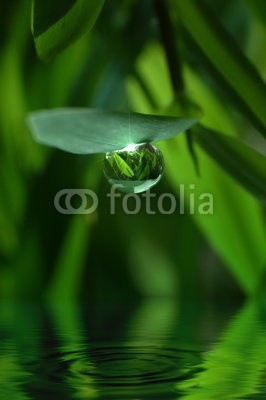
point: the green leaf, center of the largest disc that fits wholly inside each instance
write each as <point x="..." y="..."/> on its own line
<point x="88" y="131"/>
<point x="220" y="48"/>
<point x="71" y="262"/>
<point x="258" y="7"/>
<point x="122" y="165"/>
<point x="67" y="276"/>
<point x="242" y="162"/>
<point x="57" y="24"/>
<point x="237" y="217"/>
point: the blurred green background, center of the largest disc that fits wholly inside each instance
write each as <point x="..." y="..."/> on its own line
<point x="123" y="64"/>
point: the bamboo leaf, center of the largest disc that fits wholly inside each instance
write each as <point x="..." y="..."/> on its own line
<point x="258" y="7"/>
<point x="57" y="24"/>
<point x="88" y="131"/>
<point x="237" y="217"/>
<point x="242" y="162"/>
<point x="220" y="48"/>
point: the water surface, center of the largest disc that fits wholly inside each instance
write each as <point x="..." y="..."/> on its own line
<point x="157" y="350"/>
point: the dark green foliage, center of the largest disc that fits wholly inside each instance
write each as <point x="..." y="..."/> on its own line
<point x="162" y="67"/>
<point x="57" y="24"/>
<point x="239" y="160"/>
<point x="47" y="13"/>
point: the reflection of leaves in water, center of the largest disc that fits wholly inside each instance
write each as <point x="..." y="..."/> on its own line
<point x="18" y="347"/>
<point x="235" y="367"/>
<point x="12" y="377"/>
<point x="144" y="363"/>
<point x="145" y="360"/>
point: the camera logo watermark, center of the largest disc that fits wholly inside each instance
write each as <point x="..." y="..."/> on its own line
<point x="166" y="202"/>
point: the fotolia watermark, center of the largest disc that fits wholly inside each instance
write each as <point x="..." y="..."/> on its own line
<point x="189" y="201"/>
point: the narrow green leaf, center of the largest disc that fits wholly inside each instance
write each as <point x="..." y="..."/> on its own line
<point x="123" y="166"/>
<point x="242" y="162"/>
<point x="220" y="48"/>
<point x="88" y="131"/>
<point x="67" y="278"/>
<point x="57" y="24"/>
<point x="237" y="217"/>
<point x="258" y="7"/>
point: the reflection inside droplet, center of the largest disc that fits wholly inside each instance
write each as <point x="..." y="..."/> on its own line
<point x="136" y="168"/>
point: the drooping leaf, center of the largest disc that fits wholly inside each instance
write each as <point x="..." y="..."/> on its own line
<point x="88" y="131"/>
<point x="219" y="47"/>
<point x="57" y="24"/>
<point x="242" y="162"/>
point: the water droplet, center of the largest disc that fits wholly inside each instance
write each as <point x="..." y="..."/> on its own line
<point x="136" y="167"/>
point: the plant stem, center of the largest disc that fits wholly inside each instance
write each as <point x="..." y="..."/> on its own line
<point x="168" y="39"/>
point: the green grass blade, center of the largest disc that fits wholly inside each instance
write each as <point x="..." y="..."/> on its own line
<point x="219" y="47"/>
<point x="236" y="219"/>
<point x="69" y="268"/>
<point x="88" y="131"/>
<point x="57" y="24"/>
<point x="258" y="7"/>
<point x="66" y="281"/>
<point x="242" y="162"/>
<point x="123" y="166"/>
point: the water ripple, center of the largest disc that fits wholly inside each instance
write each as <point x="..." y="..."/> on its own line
<point x="113" y="372"/>
<point x="131" y="366"/>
